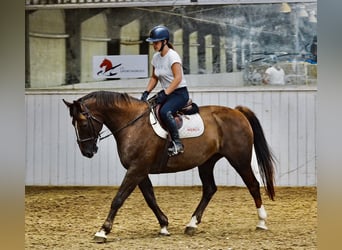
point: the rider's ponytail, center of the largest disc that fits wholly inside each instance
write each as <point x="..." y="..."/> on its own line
<point x="170" y="45"/>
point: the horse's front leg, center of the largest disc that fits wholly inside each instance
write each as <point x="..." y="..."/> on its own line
<point x="127" y="186"/>
<point x="148" y="193"/>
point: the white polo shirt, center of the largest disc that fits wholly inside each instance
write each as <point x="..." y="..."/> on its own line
<point x="163" y="71"/>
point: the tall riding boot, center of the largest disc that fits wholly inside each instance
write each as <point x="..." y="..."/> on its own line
<point x="177" y="146"/>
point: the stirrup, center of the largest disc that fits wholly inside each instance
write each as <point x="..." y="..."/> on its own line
<point x="175" y="149"/>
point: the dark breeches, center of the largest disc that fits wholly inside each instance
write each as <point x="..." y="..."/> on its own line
<point x="174" y="102"/>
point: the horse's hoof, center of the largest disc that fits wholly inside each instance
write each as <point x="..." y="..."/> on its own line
<point x="261" y="227"/>
<point x="164" y="232"/>
<point x="100" y="237"/>
<point x="190" y="231"/>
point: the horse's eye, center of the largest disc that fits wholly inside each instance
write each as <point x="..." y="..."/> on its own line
<point x="83" y="125"/>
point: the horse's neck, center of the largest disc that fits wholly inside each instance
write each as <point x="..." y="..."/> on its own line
<point x="122" y="115"/>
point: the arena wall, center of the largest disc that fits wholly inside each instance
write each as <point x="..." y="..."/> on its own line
<point x="287" y="114"/>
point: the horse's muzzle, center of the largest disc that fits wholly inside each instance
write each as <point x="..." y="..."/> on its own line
<point x="90" y="153"/>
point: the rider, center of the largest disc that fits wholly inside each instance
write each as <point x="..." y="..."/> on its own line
<point x="167" y="68"/>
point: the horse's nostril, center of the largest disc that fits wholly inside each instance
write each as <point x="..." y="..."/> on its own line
<point x="88" y="154"/>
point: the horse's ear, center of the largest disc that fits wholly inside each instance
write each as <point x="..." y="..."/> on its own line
<point x="74" y="107"/>
<point x="68" y="104"/>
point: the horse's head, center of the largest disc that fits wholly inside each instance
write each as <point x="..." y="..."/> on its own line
<point x="106" y="63"/>
<point x="87" y="127"/>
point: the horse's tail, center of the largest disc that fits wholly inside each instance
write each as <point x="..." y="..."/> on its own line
<point x="263" y="153"/>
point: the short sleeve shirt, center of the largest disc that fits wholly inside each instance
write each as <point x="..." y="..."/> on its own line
<point x="162" y="66"/>
<point x="276" y="76"/>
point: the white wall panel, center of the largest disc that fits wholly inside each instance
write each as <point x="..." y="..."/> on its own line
<point x="288" y="117"/>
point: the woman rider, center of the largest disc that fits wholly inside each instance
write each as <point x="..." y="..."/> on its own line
<point x="167" y="69"/>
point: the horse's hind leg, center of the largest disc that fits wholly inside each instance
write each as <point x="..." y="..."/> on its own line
<point x="148" y="193"/>
<point x="208" y="190"/>
<point x="253" y="186"/>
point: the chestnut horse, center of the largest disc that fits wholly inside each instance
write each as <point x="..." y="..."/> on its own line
<point x="228" y="133"/>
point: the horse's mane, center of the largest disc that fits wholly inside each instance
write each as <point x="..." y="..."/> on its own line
<point x="107" y="98"/>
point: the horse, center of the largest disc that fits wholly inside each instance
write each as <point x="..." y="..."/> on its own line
<point x="229" y="133"/>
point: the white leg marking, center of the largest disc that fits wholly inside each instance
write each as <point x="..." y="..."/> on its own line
<point x="163" y="231"/>
<point x="262" y="213"/>
<point x="262" y="218"/>
<point x="101" y="234"/>
<point x="193" y="222"/>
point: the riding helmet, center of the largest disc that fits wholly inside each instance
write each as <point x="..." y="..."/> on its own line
<point x="158" y="33"/>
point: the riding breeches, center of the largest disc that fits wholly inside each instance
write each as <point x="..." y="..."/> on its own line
<point x="174" y="102"/>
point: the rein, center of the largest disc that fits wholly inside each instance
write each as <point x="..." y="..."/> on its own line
<point x="150" y="103"/>
<point x="90" y="117"/>
<point x="127" y="125"/>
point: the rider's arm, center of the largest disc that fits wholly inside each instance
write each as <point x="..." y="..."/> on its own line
<point x="152" y="82"/>
<point x="177" y="78"/>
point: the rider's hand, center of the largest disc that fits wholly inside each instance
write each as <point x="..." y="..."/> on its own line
<point x="161" y="97"/>
<point x="144" y="95"/>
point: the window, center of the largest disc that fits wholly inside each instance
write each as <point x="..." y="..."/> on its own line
<point x="230" y="43"/>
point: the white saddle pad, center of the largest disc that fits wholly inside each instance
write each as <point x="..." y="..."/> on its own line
<point x="192" y="126"/>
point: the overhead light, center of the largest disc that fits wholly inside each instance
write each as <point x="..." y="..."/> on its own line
<point x="285" y="8"/>
<point x="302" y="11"/>
<point x="312" y="17"/>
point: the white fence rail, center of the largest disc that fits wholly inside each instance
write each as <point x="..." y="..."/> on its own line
<point x="287" y="115"/>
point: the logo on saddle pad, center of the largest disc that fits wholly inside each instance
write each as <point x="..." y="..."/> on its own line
<point x="191" y="126"/>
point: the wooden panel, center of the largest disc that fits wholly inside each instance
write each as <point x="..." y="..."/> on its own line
<point x="53" y="156"/>
<point x="293" y="140"/>
<point x="38" y="145"/>
<point x="311" y="174"/>
<point x="275" y="131"/>
<point x="29" y="150"/>
<point x="302" y="128"/>
<point x="283" y="155"/>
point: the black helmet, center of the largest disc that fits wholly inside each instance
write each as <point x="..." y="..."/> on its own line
<point x="158" y="33"/>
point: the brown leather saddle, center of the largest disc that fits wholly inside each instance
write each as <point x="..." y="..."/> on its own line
<point x="189" y="109"/>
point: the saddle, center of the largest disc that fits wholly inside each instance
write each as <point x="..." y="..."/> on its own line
<point x="189" y="109"/>
<point x="188" y="120"/>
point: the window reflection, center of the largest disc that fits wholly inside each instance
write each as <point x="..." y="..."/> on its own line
<point x="225" y="39"/>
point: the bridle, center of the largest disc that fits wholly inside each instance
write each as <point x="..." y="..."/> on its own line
<point x="90" y="118"/>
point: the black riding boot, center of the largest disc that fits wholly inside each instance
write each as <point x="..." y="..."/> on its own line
<point x="177" y="146"/>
